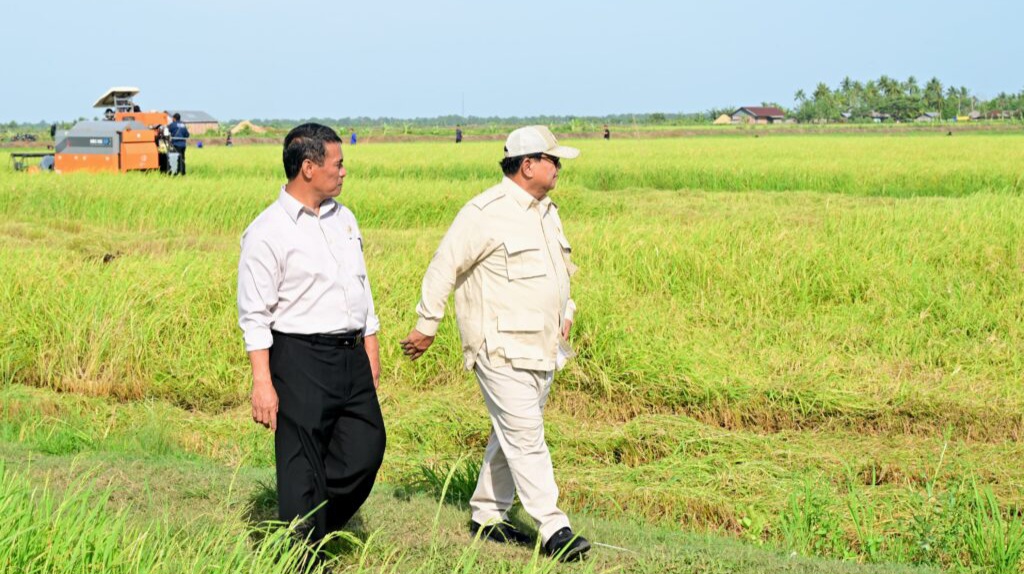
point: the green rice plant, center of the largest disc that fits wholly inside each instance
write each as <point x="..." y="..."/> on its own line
<point x="75" y="534"/>
<point x="809" y="525"/>
<point x="452" y="483"/>
<point x="78" y="532"/>
<point x="994" y="541"/>
<point x="865" y="522"/>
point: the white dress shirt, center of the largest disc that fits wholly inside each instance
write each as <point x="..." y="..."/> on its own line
<point x="303" y="273"/>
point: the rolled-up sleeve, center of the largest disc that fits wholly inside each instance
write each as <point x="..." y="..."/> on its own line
<point x="258" y="280"/>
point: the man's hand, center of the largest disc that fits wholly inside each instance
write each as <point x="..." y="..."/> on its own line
<point x="264" y="396"/>
<point x="566" y="327"/>
<point x="416" y="344"/>
<point x="264" y="404"/>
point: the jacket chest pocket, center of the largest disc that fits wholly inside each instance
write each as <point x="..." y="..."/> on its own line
<point x="524" y="259"/>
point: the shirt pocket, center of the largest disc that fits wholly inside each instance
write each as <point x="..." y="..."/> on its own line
<point x="523" y="259"/>
<point x="358" y="262"/>
<point x="349" y="256"/>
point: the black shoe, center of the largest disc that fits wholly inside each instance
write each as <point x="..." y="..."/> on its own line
<point x="565" y="546"/>
<point x="500" y="532"/>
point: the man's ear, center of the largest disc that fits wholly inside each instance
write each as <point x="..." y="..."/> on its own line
<point x="307" y="168"/>
<point x="526" y="168"/>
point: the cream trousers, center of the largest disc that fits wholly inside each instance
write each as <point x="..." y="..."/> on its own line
<point x="517" y="458"/>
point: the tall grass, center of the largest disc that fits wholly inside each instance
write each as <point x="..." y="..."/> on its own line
<point x="44" y="533"/>
<point x="754" y="311"/>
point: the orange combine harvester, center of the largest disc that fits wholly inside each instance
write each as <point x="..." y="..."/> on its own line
<point x="127" y="139"/>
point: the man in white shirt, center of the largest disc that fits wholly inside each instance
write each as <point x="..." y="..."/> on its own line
<point x="306" y="312"/>
<point x="508" y="261"/>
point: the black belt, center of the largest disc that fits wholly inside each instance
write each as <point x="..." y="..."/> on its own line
<point x="349" y="340"/>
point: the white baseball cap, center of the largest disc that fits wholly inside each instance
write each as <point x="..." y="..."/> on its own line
<point x="532" y="140"/>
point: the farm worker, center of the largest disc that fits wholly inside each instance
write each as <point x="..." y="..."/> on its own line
<point x="179" y="140"/>
<point x="307" y="315"/>
<point x="507" y="259"/>
<point x="458" y="133"/>
<point x="353" y="139"/>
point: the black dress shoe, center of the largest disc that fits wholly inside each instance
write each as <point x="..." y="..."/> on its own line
<point x="565" y="546"/>
<point x="500" y="532"/>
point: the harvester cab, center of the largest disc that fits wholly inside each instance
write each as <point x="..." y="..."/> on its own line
<point x="127" y="139"/>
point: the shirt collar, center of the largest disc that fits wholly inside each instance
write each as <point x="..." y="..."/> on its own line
<point x="523" y="197"/>
<point x="294" y="207"/>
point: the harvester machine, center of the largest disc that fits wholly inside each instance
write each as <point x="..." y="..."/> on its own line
<point x="126" y="139"/>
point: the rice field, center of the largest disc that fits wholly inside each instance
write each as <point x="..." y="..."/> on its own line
<point x="813" y="344"/>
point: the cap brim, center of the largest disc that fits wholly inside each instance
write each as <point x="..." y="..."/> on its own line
<point x="564" y="152"/>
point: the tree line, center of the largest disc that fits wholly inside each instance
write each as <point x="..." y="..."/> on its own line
<point x="886" y="99"/>
<point x="892" y="99"/>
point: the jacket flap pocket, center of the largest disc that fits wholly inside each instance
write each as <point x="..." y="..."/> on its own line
<point x="564" y="243"/>
<point x="515" y="245"/>
<point x="517" y="350"/>
<point x="526" y="322"/>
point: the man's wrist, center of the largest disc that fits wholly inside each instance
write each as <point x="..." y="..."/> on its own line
<point x="427" y="327"/>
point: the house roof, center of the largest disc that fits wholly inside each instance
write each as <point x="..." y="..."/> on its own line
<point x="194" y="117"/>
<point x="762" y="112"/>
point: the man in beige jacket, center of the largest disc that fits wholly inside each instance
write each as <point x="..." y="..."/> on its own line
<point x="507" y="259"/>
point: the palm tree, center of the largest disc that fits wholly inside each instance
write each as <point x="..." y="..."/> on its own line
<point x="846" y="86"/>
<point x="933" y="94"/>
<point x="951" y="93"/>
<point x="889" y="86"/>
<point x="911" y="87"/>
<point x="965" y="95"/>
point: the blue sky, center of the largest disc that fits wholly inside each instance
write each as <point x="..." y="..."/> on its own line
<point x="405" y="58"/>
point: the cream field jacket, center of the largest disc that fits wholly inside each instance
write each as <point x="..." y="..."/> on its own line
<point x="508" y="261"/>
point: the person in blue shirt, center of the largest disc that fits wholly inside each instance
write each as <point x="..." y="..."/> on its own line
<point x="352" y="140"/>
<point x="179" y="140"/>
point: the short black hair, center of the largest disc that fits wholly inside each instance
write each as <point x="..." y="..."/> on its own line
<point x="510" y="165"/>
<point x="307" y="141"/>
<point x="176" y="116"/>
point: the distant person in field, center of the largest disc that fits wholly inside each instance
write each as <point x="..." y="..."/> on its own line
<point x="307" y="316"/>
<point x="179" y="140"/>
<point x="228" y="142"/>
<point x="458" y="133"/>
<point x="352" y="139"/>
<point x="607" y="132"/>
<point x="508" y="261"/>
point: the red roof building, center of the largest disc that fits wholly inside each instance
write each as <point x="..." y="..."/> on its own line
<point x="758" y="115"/>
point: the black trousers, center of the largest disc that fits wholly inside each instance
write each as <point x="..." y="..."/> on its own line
<point x="181" y="161"/>
<point x="330" y="436"/>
